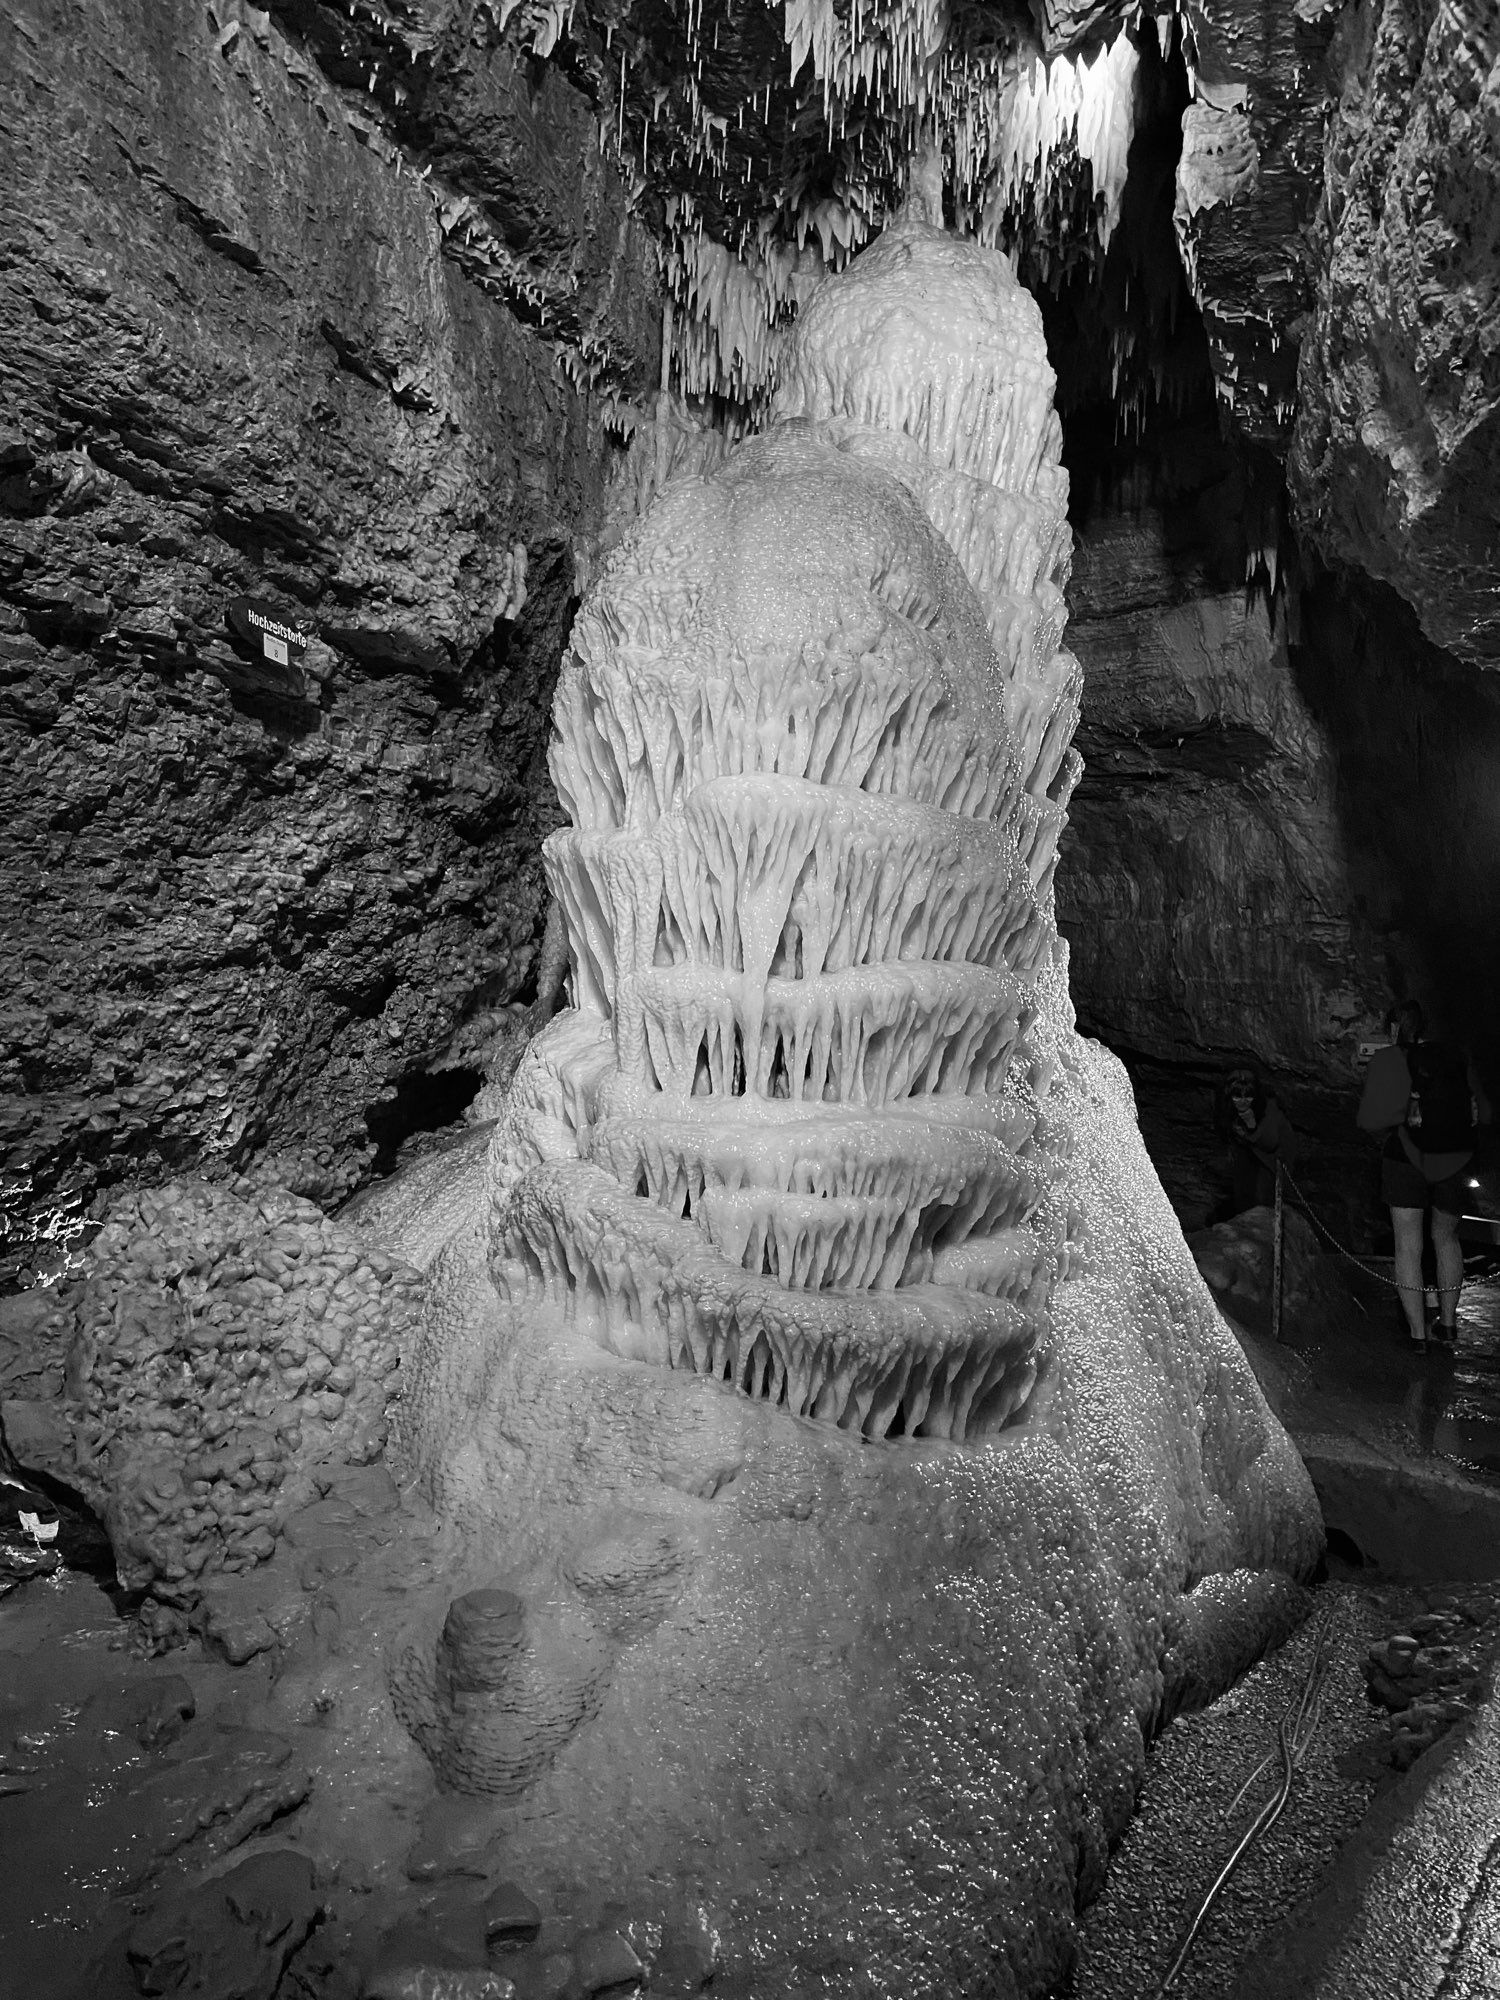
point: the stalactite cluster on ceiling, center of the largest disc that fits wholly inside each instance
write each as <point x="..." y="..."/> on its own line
<point x="766" y="146"/>
<point x="765" y="141"/>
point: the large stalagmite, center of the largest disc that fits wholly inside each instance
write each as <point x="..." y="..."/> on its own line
<point x="853" y="1465"/>
<point x="813" y="739"/>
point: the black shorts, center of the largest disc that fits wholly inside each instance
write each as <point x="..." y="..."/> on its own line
<point x="1404" y="1186"/>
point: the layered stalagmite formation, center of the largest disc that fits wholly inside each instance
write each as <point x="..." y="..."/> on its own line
<point x="818" y="1126"/>
<point x="812" y="736"/>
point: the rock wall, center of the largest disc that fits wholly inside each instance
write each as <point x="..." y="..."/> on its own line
<point x="1396" y="464"/>
<point x="1414" y="740"/>
<point x="1248" y="182"/>
<point x="245" y="904"/>
<point x="1286" y="819"/>
<point x="1338" y="210"/>
<point x="1204" y="889"/>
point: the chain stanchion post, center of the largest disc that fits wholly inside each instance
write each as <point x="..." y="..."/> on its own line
<point x="1276" y="1261"/>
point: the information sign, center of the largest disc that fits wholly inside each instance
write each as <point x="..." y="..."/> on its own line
<point x="265" y="627"/>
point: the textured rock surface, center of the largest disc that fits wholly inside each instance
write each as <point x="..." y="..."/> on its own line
<point x="1414" y="737"/>
<point x="1396" y="467"/>
<point x="1338" y="210"/>
<point x="223" y="1352"/>
<point x="231" y="1938"/>
<point x="1205" y="893"/>
<point x="243" y="903"/>
<point x="1237" y="1259"/>
<point x="1285" y="818"/>
<point x="1248" y="182"/>
<point x="129" y="1817"/>
<point x="1434" y="1670"/>
<point x="1281" y="825"/>
<point x="146" y="1807"/>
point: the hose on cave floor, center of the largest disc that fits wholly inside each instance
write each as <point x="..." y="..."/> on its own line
<point x="1294" y="1733"/>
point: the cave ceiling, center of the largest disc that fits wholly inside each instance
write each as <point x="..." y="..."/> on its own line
<point x="1328" y="169"/>
<point x="756" y="128"/>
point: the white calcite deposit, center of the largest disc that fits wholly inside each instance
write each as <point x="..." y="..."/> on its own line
<point x="853" y="1469"/>
<point x="812" y="736"/>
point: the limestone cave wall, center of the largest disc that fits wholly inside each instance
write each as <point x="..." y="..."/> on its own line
<point x="1395" y="468"/>
<point x="1284" y="600"/>
<point x="244" y="347"/>
<point x="1288" y="815"/>
<point x="1205" y="893"/>
<point x="1338" y="207"/>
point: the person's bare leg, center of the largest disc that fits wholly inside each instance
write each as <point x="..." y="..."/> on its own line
<point x="1450" y="1266"/>
<point x="1407" y="1224"/>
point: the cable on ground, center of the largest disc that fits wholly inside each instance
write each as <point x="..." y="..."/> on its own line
<point x="1294" y="1733"/>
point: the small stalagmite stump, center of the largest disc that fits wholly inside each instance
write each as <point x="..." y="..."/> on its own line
<point x="481" y="1638"/>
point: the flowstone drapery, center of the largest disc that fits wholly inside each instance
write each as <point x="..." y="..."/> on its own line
<point x="812" y="736"/>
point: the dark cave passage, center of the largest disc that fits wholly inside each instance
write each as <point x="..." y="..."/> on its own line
<point x="425" y="1101"/>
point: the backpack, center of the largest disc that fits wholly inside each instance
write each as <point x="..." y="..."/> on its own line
<point x="1440" y="1086"/>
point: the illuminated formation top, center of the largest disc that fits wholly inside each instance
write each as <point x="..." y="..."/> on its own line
<point x="812" y="736"/>
<point x="1019" y="131"/>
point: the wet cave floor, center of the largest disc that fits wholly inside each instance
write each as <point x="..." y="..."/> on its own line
<point x="1381" y="1876"/>
<point x="273" y="1758"/>
<point x="123" y="1776"/>
<point x="1376" y="1795"/>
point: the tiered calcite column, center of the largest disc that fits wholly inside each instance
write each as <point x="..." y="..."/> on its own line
<point x="812" y="735"/>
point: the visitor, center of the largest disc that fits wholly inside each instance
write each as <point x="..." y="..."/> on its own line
<point x="1423" y="1101"/>
<point x="1260" y="1139"/>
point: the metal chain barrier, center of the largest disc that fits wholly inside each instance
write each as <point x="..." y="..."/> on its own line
<point x="1343" y="1250"/>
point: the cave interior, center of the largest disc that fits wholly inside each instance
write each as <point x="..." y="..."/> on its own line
<point x="344" y="345"/>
